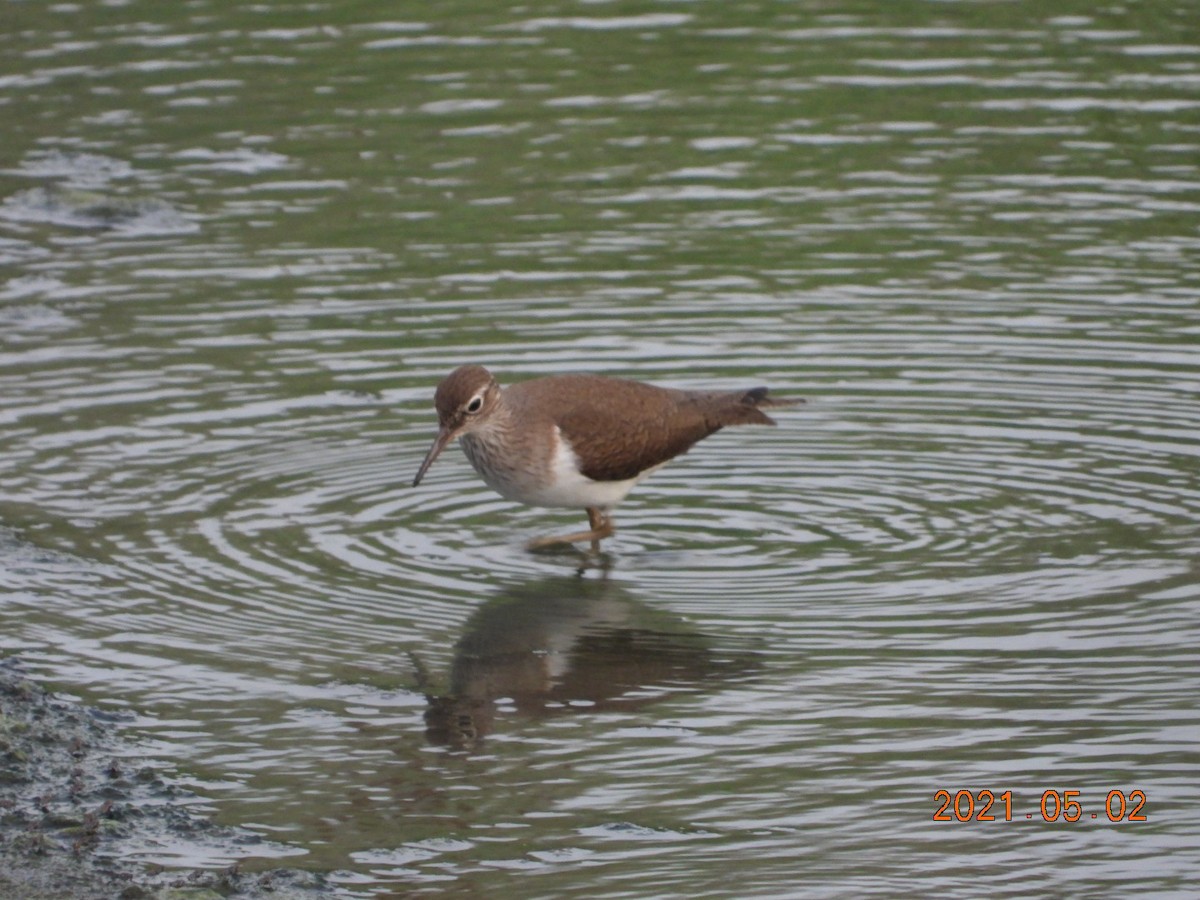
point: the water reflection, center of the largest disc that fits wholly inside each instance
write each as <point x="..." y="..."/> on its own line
<point x="966" y="231"/>
<point x="89" y="191"/>
<point x="561" y="645"/>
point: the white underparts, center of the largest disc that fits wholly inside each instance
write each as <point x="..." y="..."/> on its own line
<point x="571" y="488"/>
<point x="563" y="485"/>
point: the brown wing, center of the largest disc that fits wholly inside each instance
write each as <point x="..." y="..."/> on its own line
<point x="620" y="428"/>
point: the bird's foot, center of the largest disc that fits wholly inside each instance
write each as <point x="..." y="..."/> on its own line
<point x="602" y="527"/>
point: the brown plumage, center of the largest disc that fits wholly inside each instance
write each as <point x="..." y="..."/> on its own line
<point x="579" y="441"/>
<point x="628" y="427"/>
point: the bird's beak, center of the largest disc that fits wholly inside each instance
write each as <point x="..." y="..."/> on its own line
<point x="445" y="436"/>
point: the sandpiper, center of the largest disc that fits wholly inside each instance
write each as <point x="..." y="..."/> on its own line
<point x="578" y="441"/>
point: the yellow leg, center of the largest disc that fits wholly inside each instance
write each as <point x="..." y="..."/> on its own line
<point x="602" y="527"/>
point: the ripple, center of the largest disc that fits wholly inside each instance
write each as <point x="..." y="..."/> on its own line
<point x="90" y="209"/>
<point x="969" y="559"/>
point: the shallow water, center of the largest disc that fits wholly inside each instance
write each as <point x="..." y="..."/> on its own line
<point x="241" y="247"/>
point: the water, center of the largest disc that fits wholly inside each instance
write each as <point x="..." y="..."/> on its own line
<point x="241" y="246"/>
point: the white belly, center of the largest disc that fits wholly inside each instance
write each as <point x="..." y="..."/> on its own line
<point x="566" y="486"/>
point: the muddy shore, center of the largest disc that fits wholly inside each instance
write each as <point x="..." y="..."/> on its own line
<point x="78" y="805"/>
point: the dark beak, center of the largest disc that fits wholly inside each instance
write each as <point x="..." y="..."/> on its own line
<point x="444" y="437"/>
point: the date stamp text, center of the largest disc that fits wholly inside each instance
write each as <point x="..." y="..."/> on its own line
<point x="1056" y="805"/>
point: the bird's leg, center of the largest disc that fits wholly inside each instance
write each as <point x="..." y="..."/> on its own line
<point x="602" y="527"/>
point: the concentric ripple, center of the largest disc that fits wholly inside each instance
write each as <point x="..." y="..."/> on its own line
<point x="241" y="263"/>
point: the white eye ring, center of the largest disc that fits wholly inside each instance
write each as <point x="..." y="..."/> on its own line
<point x="475" y="405"/>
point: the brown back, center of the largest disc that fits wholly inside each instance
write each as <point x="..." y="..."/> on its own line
<point x="620" y="428"/>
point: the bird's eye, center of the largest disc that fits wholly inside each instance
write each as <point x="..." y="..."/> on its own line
<point x="475" y="405"/>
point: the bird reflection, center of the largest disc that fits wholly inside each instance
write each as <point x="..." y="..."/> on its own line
<point x="565" y="645"/>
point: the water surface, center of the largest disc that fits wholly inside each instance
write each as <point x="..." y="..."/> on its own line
<point x="241" y="246"/>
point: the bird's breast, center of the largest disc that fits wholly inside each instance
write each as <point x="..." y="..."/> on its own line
<point x="551" y="478"/>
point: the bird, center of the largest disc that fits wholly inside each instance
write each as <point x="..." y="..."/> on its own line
<point x="578" y="441"/>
